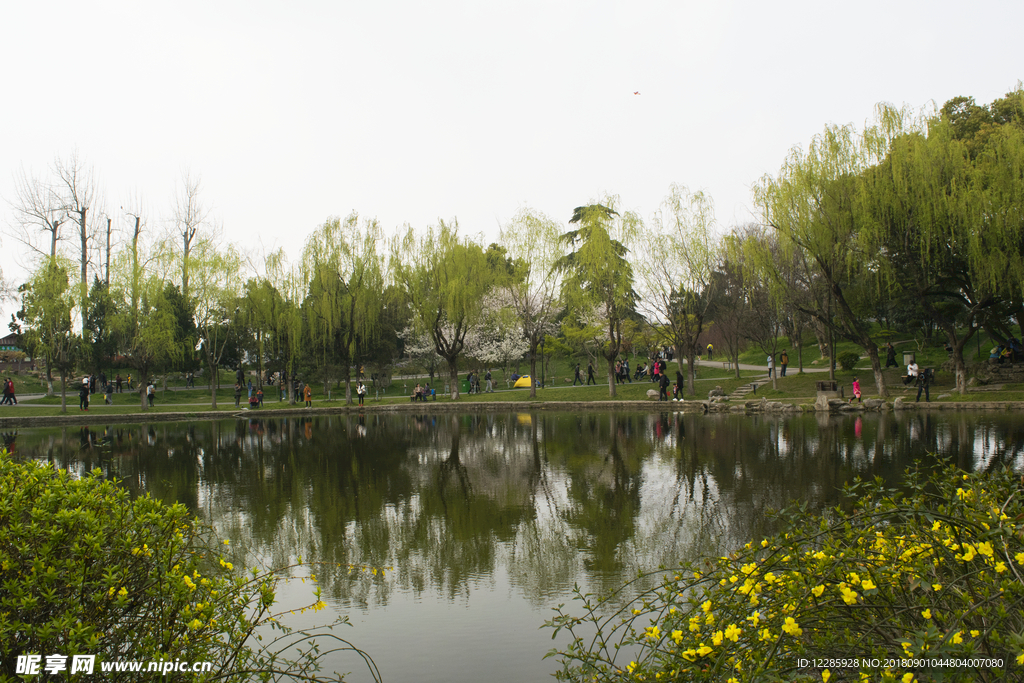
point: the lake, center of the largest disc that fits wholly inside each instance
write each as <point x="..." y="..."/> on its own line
<point x="486" y="521"/>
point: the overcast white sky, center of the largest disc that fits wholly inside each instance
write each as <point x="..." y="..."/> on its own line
<point x="414" y="111"/>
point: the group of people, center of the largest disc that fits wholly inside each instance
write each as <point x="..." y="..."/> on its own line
<point x="474" y="381"/>
<point x="9" y="398"/>
<point x="590" y="375"/>
<point x="922" y="377"/>
<point x="420" y="393"/>
<point x="1009" y="352"/>
<point x="783" y="363"/>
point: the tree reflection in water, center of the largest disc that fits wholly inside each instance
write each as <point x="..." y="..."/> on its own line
<point x="463" y="503"/>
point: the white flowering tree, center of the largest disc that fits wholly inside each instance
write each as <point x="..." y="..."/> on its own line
<point x="498" y="340"/>
<point x="531" y="239"/>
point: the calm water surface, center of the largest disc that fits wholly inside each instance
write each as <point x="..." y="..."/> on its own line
<point x="489" y="520"/>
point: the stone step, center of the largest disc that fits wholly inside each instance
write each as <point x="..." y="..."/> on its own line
<point x="744" y="390"/>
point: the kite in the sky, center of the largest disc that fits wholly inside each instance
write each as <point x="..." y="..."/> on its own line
<point x="636" y="92"/>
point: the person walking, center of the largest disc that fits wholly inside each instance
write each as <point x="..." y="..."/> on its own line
<point x="856" y="390"/>
<point x="577" y="377"/>
<point x="490" y="384"/>
<point x="307" y="394"/>
<point x="83" y="396"/>
<point x="590" y="374"/>
<point x="361" y="391"/>
<point x="7" y="392"/>
<point x="924" y="380"/>
<point x="625" y="371"/>
<point x="890" y="356"/>
<point x="663" y="388"/>
<point x="711" y="352"/>
<point x="238" y="394"/>
<point x="151" y="393"/>
<point x="259" y="397"/>
<point x="771" y="364"/>
<point x="680" y="383"/>
<point x="117" y="383"/>
<point x="783" y="361"/>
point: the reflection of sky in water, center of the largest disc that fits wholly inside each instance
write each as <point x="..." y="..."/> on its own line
<point x="489" y="521"/>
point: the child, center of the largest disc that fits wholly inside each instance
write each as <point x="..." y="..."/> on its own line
<point x="856" y="390"/>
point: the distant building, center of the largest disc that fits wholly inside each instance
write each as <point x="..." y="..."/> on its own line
<point x="11" y="342"/>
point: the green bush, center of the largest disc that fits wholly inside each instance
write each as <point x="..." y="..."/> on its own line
<point x="85" y="569"/>
<point x="847" y="360"/>
<point x="935" y="573"/>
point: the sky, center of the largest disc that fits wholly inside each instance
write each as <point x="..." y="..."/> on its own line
<point x="411" y="112"/>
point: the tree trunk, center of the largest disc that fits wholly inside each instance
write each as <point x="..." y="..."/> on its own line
<point x="876" y="369"/>
<point x="533" y="366"/>
<point x="214" y="385"/>
<point x="453" y="373"/>
<point x="611" y="375"/>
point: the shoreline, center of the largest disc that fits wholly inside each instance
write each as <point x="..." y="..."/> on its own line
<point x="648" y="406"/>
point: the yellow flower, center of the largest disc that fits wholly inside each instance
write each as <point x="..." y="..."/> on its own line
<point x="975" y="633"/>
<point x="754" y="619"/>
<point x="927" y="614"/>
<point x="819" y="555"/>
<point x="653" y="632"/>
<point x="791" y="627"/>
<point x="764" y="543"/>
<point x="733" y="578"/>
<point x="969" y="554"/>
<point x="688" y="655"/>
<point x="867" y="585"/>
<point x="677" y="636"/>
<point x="818" y="590"/>
<point x="732" y="632"/>
<point x="1000" y="567"/>
<point x="716" y="639"/>
<point x="957" y="638"/>
<point x="1019" y="557"/>
<point x="985" y="548"/>
<point x="123" y="591"/>
<point x="936" y="587"/>
<point x="825" y="675"/>
<point x="706" y="607"/>
<point x="849" y="596"/>
<point x="748" y="568"/>
<point x="908" y="677"/>
<point x="1020" y="658"/>
<point x="704" y="650"/>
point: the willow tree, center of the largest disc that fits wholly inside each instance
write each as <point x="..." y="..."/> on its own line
<point x="679" y="275"/>
<point x="597" y="285"/>
<point x="48" y="304"/>
<point x="145" y="326"/>
<point x="444" y="278"/>
<point x="344" y="302"/>
<point x="946" y="210"/>
<point x="216" y="286"/>
<point x="813" y="207"/>
<point x="531" y="239"/>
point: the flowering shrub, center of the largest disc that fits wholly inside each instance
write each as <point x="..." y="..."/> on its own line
<point x="84" y="569"/>
<point x="930" y="574"/>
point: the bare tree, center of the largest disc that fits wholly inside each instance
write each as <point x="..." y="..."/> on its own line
<point x="189" y="217"/>
<point x="38" y="208"/>
<point x="77" y="191"/>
